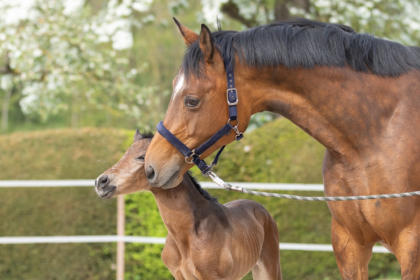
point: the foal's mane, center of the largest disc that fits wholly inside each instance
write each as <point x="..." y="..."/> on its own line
<point x="198" y="187"/>
<point x="306" y="43"/>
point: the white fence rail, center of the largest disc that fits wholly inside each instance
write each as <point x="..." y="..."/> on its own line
<point x="207" y="185"/>
<point x="149" y="239"/>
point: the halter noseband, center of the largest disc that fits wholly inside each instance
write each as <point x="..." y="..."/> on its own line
<point x="193" y="156"/>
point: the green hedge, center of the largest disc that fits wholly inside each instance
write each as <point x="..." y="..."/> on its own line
<point x="61" y="154"/>
<point x="277" y="152"/>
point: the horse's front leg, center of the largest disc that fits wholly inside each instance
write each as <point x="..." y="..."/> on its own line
<point x="352" y="258"/>
<point x="407" y="250"/>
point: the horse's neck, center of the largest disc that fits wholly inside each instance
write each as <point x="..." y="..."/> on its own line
<point x="343" y="109"/>
<point x="178" y="207"/>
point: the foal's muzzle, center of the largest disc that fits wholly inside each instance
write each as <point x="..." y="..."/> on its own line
<point x="103" y="186"/>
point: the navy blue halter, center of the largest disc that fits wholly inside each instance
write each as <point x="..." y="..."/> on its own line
<point x="193" y="155"/>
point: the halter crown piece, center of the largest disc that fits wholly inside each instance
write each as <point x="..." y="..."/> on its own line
<point x="193" y="156"/>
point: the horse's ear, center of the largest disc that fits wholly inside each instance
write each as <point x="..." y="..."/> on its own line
<point x="206" y="43"/>
<point x="188" y="35"/>
<point x="138" y="135"/>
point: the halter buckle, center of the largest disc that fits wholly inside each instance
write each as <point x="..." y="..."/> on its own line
<point x="232" y="96"/>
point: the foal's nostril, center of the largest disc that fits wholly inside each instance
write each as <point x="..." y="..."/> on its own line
<point x="150" y="173"/>
<point x="102" y="181"/>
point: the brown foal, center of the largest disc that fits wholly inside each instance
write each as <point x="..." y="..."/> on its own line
<point x="206" y="240"/>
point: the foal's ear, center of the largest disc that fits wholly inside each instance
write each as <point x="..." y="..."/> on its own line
<point x="137" y="136"/>
<point x="206" y="43"/>
<point x="189" y="35"/>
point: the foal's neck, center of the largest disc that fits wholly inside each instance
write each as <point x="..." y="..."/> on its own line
<point x="343" y="109"/>
<point x="181" y="207"/>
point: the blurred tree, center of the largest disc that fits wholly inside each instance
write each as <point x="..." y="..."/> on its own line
<point x="65" y="57"/>
<point x="394" y="19"/>
<point x="159" y="44"/>
<point x="6" y="86"/>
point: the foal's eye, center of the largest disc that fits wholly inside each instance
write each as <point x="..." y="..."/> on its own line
<point x="191" y="101"/>
<point x="140" y="158"/>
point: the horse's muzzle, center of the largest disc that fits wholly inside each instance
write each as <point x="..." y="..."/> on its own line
<point x="103" y="187"/>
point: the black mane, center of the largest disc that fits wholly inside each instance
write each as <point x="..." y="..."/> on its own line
<point x="147" y="134"/>
<point x="306" y="43"/>
<point x="203" y="192"/>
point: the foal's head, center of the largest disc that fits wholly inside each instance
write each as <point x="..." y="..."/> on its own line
<point x="197" y="109"/>
<point x="127" y="175"/>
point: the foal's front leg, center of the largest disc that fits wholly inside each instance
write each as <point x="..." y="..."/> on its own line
<point x="171" y="257"/>
<point x="352" y="258"/>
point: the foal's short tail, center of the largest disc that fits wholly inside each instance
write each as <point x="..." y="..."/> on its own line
<point x="268" y="266"/>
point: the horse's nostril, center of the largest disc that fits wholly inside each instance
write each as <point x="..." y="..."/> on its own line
<point x="150" y="173"/>
<point x="103" y="181"/>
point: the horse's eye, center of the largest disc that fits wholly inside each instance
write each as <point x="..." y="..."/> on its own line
<point x="191" y="101"/>
<point x="140" y="158"/>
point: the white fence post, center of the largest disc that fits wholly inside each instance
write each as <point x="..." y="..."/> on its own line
<point x="120" y="234"/>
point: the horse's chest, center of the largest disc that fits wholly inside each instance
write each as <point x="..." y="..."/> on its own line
<point x="368" y="220"/>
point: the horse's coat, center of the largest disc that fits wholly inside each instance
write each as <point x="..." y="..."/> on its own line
<point x="357" y="95"/>
<point x="206" y="240"/>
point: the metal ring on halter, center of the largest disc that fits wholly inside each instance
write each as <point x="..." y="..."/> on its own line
<point x="189" y="159"/>
<point x="235" y="128"/>
<point x="239" y="134"/>
<point x="233" y="123"/>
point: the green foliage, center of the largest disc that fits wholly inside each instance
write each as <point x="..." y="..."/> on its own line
<point x="279" y="152"/>
<point x="60" y="154"/>
<point x="143" y="260"/>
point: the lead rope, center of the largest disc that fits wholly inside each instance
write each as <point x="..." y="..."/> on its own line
<point x="219" y="181"/>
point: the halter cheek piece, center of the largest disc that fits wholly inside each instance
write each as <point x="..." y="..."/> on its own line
<point x="193" y="156"/>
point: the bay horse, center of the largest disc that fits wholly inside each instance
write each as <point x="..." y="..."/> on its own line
<point x="206" y="240"/>
<point x="356" y="94"/>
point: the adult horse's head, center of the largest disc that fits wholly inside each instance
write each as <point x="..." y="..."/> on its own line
<point x="198" y="107"/>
